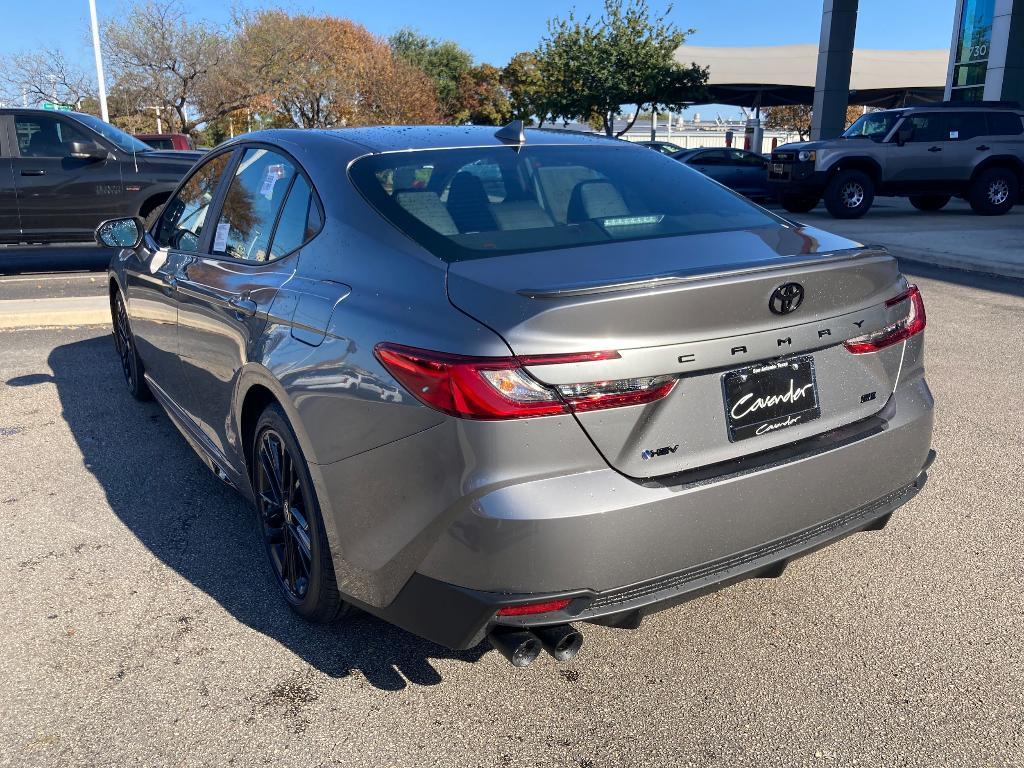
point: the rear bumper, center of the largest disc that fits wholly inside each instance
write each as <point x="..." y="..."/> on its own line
<point x="620" y="548"/>
<point x="460" y="618"/>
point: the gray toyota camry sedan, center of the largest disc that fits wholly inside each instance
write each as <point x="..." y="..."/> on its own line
<point x="494" y="384"/>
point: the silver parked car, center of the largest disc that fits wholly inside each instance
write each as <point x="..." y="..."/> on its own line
<point x="927" y="153"/>
<point x="493" y="384"/>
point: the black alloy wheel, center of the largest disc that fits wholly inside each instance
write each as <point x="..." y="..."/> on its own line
<point x="283" y="514"/>
<point x="124" y="341"/>
<point x="290" y="521"/>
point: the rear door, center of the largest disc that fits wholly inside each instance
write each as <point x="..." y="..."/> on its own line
<point x="267" y="212"/>
<point x="966" y="131"/>
<point x="59" y="195"/>
<point x="749" y="173"/>
<point x="10" y="224"/>
<point x="716" y="164"/>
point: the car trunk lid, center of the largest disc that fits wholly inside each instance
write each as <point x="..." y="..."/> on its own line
<point x="695" y="307"/>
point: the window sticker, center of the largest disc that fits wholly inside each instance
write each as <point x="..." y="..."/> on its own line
<point x="954" y="134"/>
<point x="220" y="240"/>
<point x="273" y="174"/>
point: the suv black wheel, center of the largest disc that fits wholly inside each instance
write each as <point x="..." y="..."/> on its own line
<point x="994" y="191"/>
<point x="929" y="202"/>
<point x="849" y="194"/>
<point x="799" y="203"/>
<point x="290" y="520"/>
<point x="124" y="341"/>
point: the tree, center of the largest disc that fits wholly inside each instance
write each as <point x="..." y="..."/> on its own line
<point x="44" y="75"/>
<point x="527" y="91"/>
<point x="593" y="68"/>
<point x="482" y="97"/>
<point x="338" y="74"/>
<point x="446" y="63"/>
<point x="196" y="72"/>
<point x="797" y="118"/>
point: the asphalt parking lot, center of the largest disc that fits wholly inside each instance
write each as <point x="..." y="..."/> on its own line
<point x="141" y="625"/>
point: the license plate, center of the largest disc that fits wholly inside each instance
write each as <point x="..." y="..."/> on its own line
<point x="763" y="399"/>
<point x="778" y="169"/>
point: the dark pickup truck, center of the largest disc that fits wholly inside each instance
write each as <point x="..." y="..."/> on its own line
<point x="62" y="173"/>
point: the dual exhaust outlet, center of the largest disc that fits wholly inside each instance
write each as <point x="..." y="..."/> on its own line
<point x="522" y="646"/>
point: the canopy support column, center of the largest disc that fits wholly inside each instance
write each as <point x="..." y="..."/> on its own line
<point x="835" y="61"/>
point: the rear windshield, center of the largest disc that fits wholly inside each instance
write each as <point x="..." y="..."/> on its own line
<point x="475" y="203"/>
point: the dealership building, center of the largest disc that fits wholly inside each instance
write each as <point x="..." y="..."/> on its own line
<point x="985" y="61"/>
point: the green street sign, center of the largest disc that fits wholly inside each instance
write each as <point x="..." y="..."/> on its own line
<point x="57" y="107"/>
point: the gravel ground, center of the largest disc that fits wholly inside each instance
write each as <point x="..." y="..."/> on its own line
<point x="140" y="624"/>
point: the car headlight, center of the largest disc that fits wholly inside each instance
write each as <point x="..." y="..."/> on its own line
<point x="806" y="156"/>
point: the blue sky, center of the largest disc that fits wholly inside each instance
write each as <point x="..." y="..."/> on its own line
<point x="493" y="31"/>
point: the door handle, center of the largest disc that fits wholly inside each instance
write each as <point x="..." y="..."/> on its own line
<point x="984" y="148"/>
<point x="245" y="307"/>
<point x="34" y="172"/>
<point x="934" y="149"/>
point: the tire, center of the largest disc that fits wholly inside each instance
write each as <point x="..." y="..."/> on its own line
<point x="149" y="217"/>
<point x="994" y="192"/>
<point x="930" y="202"/>
<point x="127" y="352"/>
<point x="293" y="533"/>
<point x="799" y="203"/>
<point x="849" y="194"/>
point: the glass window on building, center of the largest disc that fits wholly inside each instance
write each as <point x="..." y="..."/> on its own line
<point x="973" y="46"/>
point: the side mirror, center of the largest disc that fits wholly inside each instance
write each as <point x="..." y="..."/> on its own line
<point x="120" y="233"/>
<point x="903" y="135"/>
<point x="87" y="150"/>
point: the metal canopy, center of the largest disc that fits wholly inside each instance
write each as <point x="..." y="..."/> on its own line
<point x="779" y="75"/>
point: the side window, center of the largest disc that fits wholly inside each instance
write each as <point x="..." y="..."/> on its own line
<point x="251" y="204"/>
<point x="745" y="159"/>
<point x="1004" y="124"/>
<point x="716" y="157"/>
<point x="966" y="125"/>
<point x="42" y="136"/>
<point x="181" y="224"/>
<point x="930" y="128"/>
<point x="299" y="221"/>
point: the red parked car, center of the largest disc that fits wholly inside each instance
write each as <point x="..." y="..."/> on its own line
<point x="166" y="140"/>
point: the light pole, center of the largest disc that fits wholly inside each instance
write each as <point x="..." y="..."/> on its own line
<point x="159" y="125"/>
<point x="99" y="61"/>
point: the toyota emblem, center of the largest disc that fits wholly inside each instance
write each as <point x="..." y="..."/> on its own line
<point x="786" y="298"/>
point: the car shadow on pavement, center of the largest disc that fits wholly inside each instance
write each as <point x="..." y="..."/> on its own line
<point x="205" y="531"/>
<point x="1011" y="286"/>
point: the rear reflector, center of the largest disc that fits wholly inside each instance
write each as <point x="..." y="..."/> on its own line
<point x="910" y="325"/>
<point x="500" y="388"/>
<point x="528" y="609"/>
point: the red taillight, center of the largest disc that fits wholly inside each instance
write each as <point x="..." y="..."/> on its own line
<point x="499" y="388"/>
<point x="911" y="325"/>
<point x="528" y="609"/>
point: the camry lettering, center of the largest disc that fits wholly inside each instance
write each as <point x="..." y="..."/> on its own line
<point x="745" y="407"/>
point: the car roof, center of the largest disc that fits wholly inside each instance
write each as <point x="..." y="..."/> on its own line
<point x="396" y="138"/>
<point x="35" y="111"/>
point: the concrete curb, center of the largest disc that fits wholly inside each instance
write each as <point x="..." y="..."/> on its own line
<point x="50" y="313"/>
